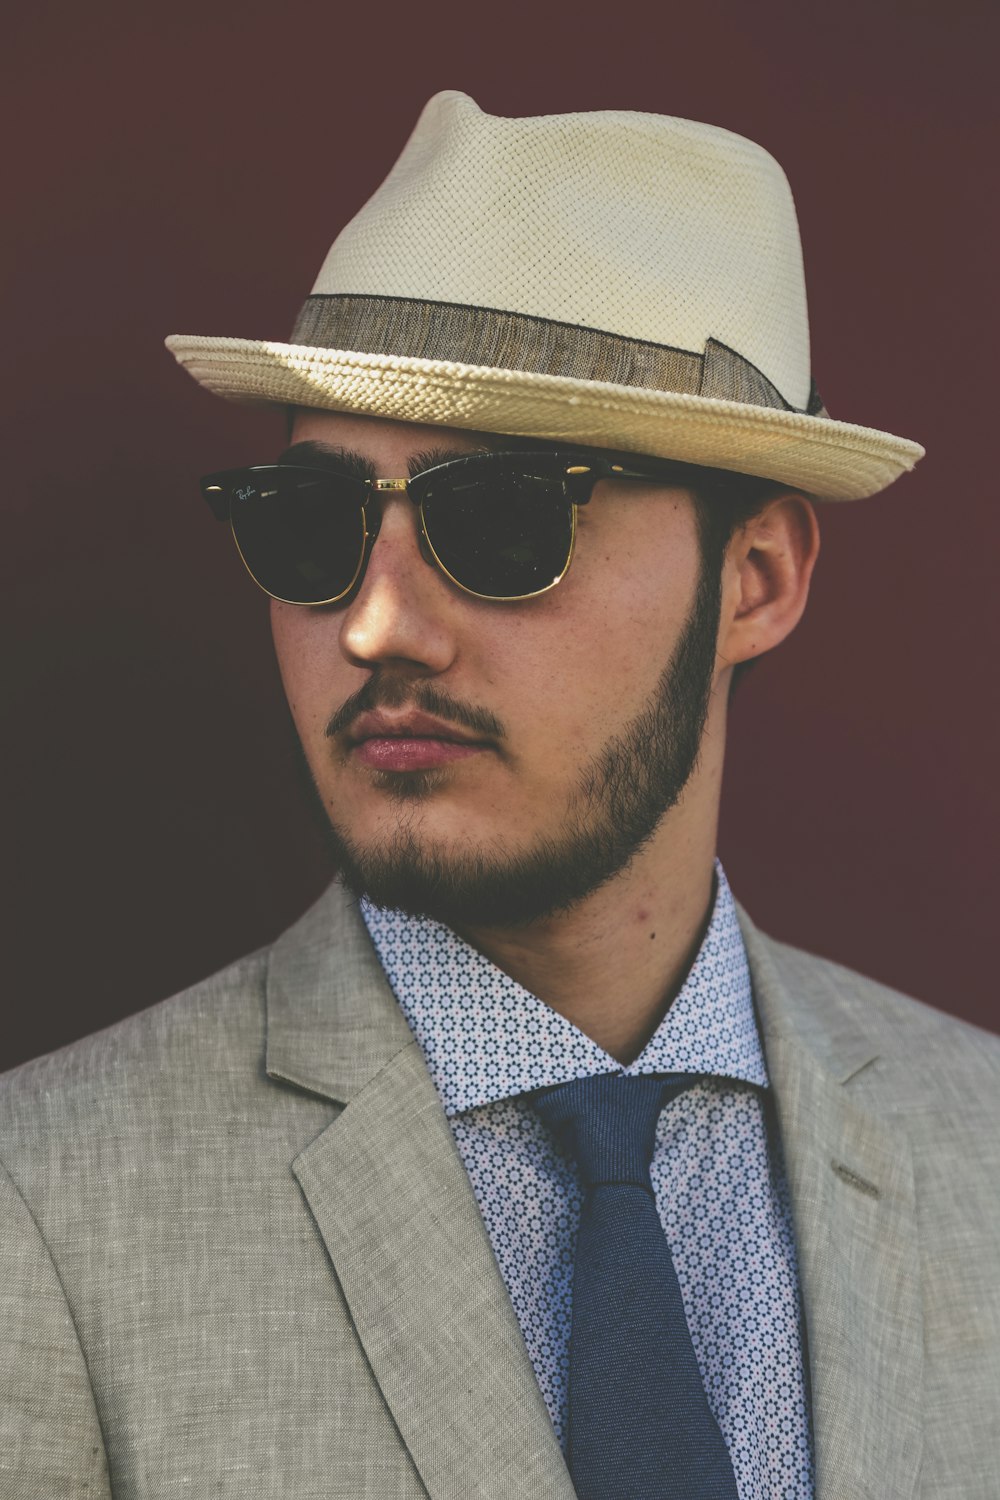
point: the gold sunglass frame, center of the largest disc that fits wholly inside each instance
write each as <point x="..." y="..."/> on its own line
<point x="580" y="476"/>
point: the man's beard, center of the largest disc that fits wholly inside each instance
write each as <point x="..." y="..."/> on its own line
<point x="613" y="812"/>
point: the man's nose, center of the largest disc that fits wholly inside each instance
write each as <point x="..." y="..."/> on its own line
<point x="402" y="614"/>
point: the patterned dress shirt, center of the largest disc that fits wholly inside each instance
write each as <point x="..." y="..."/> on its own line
<point x="717" y="1172"/>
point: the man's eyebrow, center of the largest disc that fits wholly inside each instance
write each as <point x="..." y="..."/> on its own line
<point x="348" y="460"/>
<point x="324" y="456"/>
<point x="429" y="458"/>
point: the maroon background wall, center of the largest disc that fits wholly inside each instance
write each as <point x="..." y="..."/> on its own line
<point x="184" y="168"/>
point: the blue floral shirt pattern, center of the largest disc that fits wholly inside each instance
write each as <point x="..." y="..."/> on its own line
<point x="717" y="1172"/>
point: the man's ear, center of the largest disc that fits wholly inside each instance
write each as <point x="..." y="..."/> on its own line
<point x="766" y="574"/>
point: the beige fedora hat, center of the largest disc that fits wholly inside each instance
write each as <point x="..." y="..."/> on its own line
<point x="623" y="280"/>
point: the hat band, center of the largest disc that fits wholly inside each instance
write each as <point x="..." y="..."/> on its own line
<point x="450" y="331"/>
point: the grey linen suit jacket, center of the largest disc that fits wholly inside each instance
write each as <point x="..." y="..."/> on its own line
<point x="241" y="1255"/>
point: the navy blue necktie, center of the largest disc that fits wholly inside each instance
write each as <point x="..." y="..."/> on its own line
<point x="640" y="1426"/>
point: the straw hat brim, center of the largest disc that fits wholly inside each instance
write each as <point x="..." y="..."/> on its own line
<point x="824" y="458"/>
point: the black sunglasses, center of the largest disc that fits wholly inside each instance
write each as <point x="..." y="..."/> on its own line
<point x="500" y="526"/>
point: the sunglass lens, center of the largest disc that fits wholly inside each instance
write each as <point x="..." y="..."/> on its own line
<point x="301" y="536"/>
<point x="505" y="536"/>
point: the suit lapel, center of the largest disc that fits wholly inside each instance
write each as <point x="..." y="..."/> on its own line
<point x="392" y="1200"/>
<point x="851" y="1180"/>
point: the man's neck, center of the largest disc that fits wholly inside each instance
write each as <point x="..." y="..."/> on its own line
<point x="614" y="963"/>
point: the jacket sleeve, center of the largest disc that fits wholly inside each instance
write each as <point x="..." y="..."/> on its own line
<point x="50" y="1437"/>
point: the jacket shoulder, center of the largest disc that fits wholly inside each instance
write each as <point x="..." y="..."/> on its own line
<point x="170" y="1052"/>
<point x="898" y="1016"/>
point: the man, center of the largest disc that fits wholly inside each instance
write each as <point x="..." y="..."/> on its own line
<point x="523" y="1165"/>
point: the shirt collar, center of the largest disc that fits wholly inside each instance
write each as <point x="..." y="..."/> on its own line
<point x="486" y="1038"/>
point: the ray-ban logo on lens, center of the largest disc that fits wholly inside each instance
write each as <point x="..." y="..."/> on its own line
<point x="245" y="494"/>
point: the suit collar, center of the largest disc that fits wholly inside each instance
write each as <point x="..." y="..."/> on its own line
<point x="815" y="1014"/>
<point x="332" y="1021"/>
<point x="850" y="1175"/>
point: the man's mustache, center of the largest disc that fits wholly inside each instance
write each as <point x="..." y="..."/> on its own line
<point x="400" y="692"/>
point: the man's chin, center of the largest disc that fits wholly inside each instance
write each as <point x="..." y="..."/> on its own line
<point x="471" y="888"/>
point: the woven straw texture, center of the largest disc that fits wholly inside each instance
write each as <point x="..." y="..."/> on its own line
<point x="833" y="460"/>
<point x="518" y="251"/>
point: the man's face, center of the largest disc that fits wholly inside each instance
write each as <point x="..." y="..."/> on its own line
<point x="566" y="725"/>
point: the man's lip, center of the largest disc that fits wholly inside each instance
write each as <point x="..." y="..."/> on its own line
<point x="408" y="726"/>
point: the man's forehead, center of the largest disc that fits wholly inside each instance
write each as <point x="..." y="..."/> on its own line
<point x="320" y="436"/>
<point x="330" y="426"/>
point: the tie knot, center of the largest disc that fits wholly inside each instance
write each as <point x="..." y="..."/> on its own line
<point x="608" y="1123"/>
